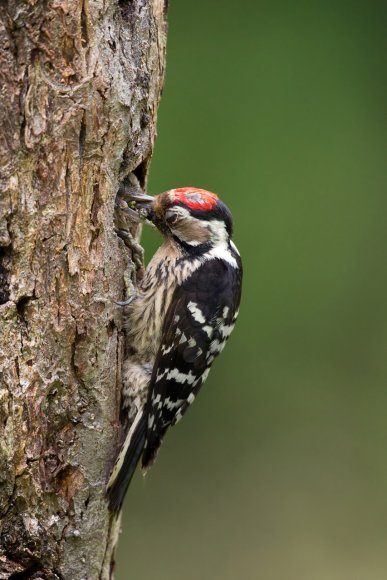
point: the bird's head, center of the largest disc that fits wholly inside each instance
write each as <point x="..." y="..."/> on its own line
<point x="189" y="216"/>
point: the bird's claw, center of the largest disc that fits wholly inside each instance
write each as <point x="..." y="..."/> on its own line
<point x="133" y="246"/>
<point x="125" y="302"/>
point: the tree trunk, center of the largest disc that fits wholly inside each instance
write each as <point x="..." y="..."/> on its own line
<point x="80" y="83"/>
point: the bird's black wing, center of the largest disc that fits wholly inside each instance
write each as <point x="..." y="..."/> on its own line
<point x="197" y="325"/>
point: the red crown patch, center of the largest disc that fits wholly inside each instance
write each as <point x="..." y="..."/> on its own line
<point x="195" y="198"/>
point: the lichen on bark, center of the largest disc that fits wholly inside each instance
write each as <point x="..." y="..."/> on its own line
<point x="80" y="84"/>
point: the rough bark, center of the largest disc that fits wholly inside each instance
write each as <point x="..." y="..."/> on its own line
<point x="80" y="83"/>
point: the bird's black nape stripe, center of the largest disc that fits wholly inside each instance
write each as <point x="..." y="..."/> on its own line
<point x="192" y="251"/>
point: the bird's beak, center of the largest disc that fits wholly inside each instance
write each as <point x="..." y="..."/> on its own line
<point x="140" y="199"/>
<point x="141" y="204"/>
<point x="137" y="204"/>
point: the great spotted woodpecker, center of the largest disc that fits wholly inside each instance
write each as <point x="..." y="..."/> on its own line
<point x="185" y="310"/>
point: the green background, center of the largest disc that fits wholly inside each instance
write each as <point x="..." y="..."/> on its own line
<point x="279" y="471"/>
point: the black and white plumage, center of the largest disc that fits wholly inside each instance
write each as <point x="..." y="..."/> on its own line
<point x="185" y="310"/>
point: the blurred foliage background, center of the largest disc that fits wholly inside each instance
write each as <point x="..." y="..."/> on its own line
<point x="279" y="471"/>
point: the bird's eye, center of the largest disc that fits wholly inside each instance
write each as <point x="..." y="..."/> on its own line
<point x="171" y="217"/>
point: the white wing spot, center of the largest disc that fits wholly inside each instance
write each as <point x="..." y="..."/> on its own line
<point x="196" y="312"/>
<point x="170" y="405"/>
<point x="208" y="330"/>
<point x="226" y="330"/>
<point x="166" y="349"/>
<point x="190" y="398"/>
<point x="181" y="377"/>
<point x="160" y="376"/>
<point x="178" y="416"/>
<point x="215" y="348"/>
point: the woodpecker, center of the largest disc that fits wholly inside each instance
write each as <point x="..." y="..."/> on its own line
<point x="179" y="321"/>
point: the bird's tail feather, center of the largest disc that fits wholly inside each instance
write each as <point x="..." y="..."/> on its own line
<point x="127" y="462"/>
